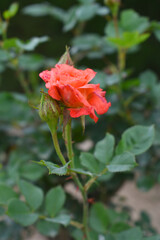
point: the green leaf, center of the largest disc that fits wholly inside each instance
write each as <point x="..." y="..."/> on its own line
<point x="47" y="228"/>
<point x="3" y="27"/>
<point x="94" y="43"/>
<point x="21" y="214"/>
<point x="32" y="194"/>
<point x="2" y="67"/>
<point x="62" y="219"/>
<point x="113" y="98"/>
<point x="32" y="43"/>
<point x="110" y="30"/>
<point x="30" y="62"/>
<point x="31" y="171"/>
<point x="89" y="162"/>
<point x="6" y="194"/>
<point x="54" y="201"/>
<point x="54" y="168"/>
<point x="4" y="55"/>
<point x="44" y="9"/>
<point x="99" y="219"/>
<point x="121" y="163"/>
<point x="86" y="12"/>
<point x="77" y="234"/>
<point x="128" y="39"/>
<point x="81" y="171"/>
<point x="131" y="234"/>
<point x="119" y="227"/>
<point x="155" y="26"/>
<point x="136" y="140"/>
<point x="112" y="79"/>
<point x="110" y="237"/>
<point x="148" y="79"/>
<point x="100" y="78"/>
<point x="159" y="178"/>
<point x="17" y="158"/>
<point x="11" y="43"/>
<point x="14" y="107"/>
<point x="86" y="42"/>
<point x="132" y="21"/>
<point x="11" y="12"/>
<point x="104" y="149"/>
<point x="115" y="216"/>
<point x="130" y="83"/>
<point x="145" y="183"/>
<point x="58" y="13"/>
<point x="70" y="19"/>
<point x="152" y="238"/>
<point x="2" y="211"/>
<point x="37" y="10"/>
<point x="29" y="45"/>
<point x="157" y="34"/>
<point x="103" y="11"/>
<point x="86" y="1"/>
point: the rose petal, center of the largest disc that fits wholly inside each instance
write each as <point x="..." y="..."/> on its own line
<point x="74" y="77"/>
<point x="70" y="86"/>
<point x="54" y="93"/>
<point x="98" y="102"/>
<point x="71" y="97"/>
<point x="77" y="112"/>
<point x="45" y="75"/>
<point x="89" y="74"/>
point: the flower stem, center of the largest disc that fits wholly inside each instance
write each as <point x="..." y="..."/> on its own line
<point x="57" y="148"/>
<point x="68" y="142"/>
<point x="92" y="180"/>
<point x="23" y="82"/>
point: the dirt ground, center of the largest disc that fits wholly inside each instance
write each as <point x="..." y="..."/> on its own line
<point x="138" y="201"/>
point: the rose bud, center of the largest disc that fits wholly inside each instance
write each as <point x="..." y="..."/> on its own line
<point x="49" y="111"/>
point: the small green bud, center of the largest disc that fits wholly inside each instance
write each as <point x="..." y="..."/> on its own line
<point x="110" y="3"/>
<point x="114" y="5"/>
<point x="66" y="58"/>
<point x="49" y="111"/>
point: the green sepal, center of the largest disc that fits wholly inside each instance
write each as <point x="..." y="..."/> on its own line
<point x="66" y="58"/>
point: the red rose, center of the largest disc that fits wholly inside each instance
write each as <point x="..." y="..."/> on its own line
<point x="70" y="86"/>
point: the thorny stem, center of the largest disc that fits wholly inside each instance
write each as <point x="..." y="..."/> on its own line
<point x="4" y="29"/>
<point x="23" y="82"/>
<point x="92" y="180"/>
<point x="68" y="142"/>
<point x="121" y="55"/>
<point x="121" y="51"/>
<point x="19" y="73"/>
<point x="57" y="148"/>
<point x="115" y="22"/>
<point x="76" y="224"/>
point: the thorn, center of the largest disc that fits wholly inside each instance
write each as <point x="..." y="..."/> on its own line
<point x="68" y="178"/>
<point x="91" y="200"/>
<point x="84" y="236"/>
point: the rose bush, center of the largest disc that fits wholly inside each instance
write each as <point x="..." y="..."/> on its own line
<point x="70" y="86"/>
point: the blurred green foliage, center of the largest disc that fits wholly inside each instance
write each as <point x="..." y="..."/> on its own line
<point x="97" y="40"/>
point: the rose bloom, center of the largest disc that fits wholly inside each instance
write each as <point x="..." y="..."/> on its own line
<point x="70" y="86"/>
